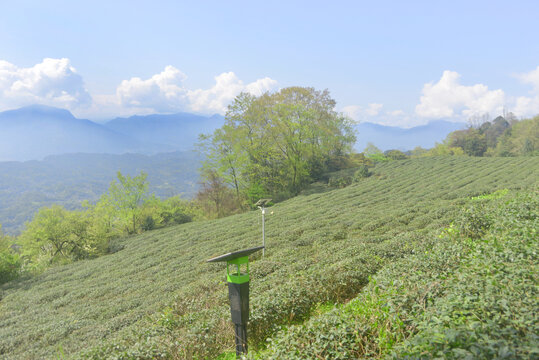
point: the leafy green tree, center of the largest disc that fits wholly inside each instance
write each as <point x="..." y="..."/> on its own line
<point x="104" y="222"/>
<point x="127" y="195"/>
<point x="57" y="235"/>
<point x="278" y="142"/>
<point x="521" y="139"/>
<point x="395" y="155"/>
<point x="157" y="213"/>
<point x="10" y="262"/>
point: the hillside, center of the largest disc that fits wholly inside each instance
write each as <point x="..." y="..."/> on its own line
<point x="69" y="179"/>
<point x="323" y="247"/>
<point x="179" y="131"/>
<point x="34" y="132"/>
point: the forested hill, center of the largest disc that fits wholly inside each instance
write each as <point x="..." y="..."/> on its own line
<point x="157" y="296"/>
<point x="69" y="179"/>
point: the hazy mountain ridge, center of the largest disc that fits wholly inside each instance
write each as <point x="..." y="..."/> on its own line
<point x="34" y="132"/>
<point x="179" y="130"/>
<point x="390" y="137"/>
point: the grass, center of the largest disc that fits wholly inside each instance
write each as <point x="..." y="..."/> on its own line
<point x="158" y="297"/>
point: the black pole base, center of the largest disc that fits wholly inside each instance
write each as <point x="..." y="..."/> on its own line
<point x="238" y="295"/>
<point x="241" y="339"/>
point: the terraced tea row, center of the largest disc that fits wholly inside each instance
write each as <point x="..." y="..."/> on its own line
<point x="157" y="294"/>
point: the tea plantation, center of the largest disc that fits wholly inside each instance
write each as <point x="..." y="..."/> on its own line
<point x="376" y="242"/>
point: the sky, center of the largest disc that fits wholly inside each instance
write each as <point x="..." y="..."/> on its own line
<point x="399" y="63"/>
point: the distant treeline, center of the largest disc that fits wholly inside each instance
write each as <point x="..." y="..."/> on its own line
<point x="499" y="137"/>
<point x="69" y="179"/>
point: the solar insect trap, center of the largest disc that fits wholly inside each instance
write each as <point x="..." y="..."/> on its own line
<point x="238" y="292"/>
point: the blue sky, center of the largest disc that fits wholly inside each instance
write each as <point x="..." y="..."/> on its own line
<point x="392" y="62"/>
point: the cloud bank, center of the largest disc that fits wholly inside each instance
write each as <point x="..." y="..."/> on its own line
<point x="164" y="92"/>
<point x="448" y="99"/>
<point x="524" y="105"/>
<point x="52" y="82"/>
<point x="55" y="82"/>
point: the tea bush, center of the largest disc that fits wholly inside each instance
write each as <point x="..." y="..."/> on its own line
<point x="157" y="295"/>
<point x="459" y="297"/>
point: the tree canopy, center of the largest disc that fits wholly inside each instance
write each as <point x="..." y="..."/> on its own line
<point x="276" y="143"/>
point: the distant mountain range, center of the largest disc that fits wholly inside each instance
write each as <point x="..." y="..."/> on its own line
<point x="34" y="132"/>
<point x="388" y="137"/>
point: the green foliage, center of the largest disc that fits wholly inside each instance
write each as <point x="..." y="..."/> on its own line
<point x="496" y="138"/>
<point x="521" y="139"/>
<point x="56" y="235"/>
<point x="487" y="308"/>
<point x="277" y="143"/>
<point x="454" y="297"/>
<point x="374" y="154"/>
<point x="395" y="155"/>
<point x="10" y="262"/>
<point x="127" y="195"/>
<point x="157" y="295"/>
<point x="366" y="327"/>
<point x="68" y="180"/>
<point x="442" y="150"/>
<point x="361" y="173"/>
<point x="495" y="195"/>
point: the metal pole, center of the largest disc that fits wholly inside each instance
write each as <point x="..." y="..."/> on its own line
<point x="263" y="231"/>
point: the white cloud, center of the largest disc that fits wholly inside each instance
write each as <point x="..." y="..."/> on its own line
<point x="395" y="113"/>
<point x="373" y="109"/>
<point x="52" y="82"/>
<point x="531" y="78"/>
<point x="528" y="106"/>
<point x="449" y="99"/>
<point x="162" y="92"/>
<point x="165" y="92"/>
<point x="360" y="113"/>
<point x="372" y="113"/>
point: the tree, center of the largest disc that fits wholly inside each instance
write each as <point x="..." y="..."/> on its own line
<point x="55" y="234"/>
<point x="278" y="142"/>
<point x="215" y="196"/>
<point x="127" y="195"/>
<point x="520" y="139"/>
<point x="10" y="262"/>
<point x="395" y="155"/>
<point x="372" y="149"/>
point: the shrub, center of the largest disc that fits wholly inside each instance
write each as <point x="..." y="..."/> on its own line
<point x="10" y="266"/>
<point x="361" y="173"/>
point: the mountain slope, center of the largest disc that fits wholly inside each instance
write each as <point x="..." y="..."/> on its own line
<point x="179" y="131"/>
<point x="34" y="132"/>
<point x="158" y="291"/>
<point x="389" y="137"/>
<point x="69" y="179"/>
